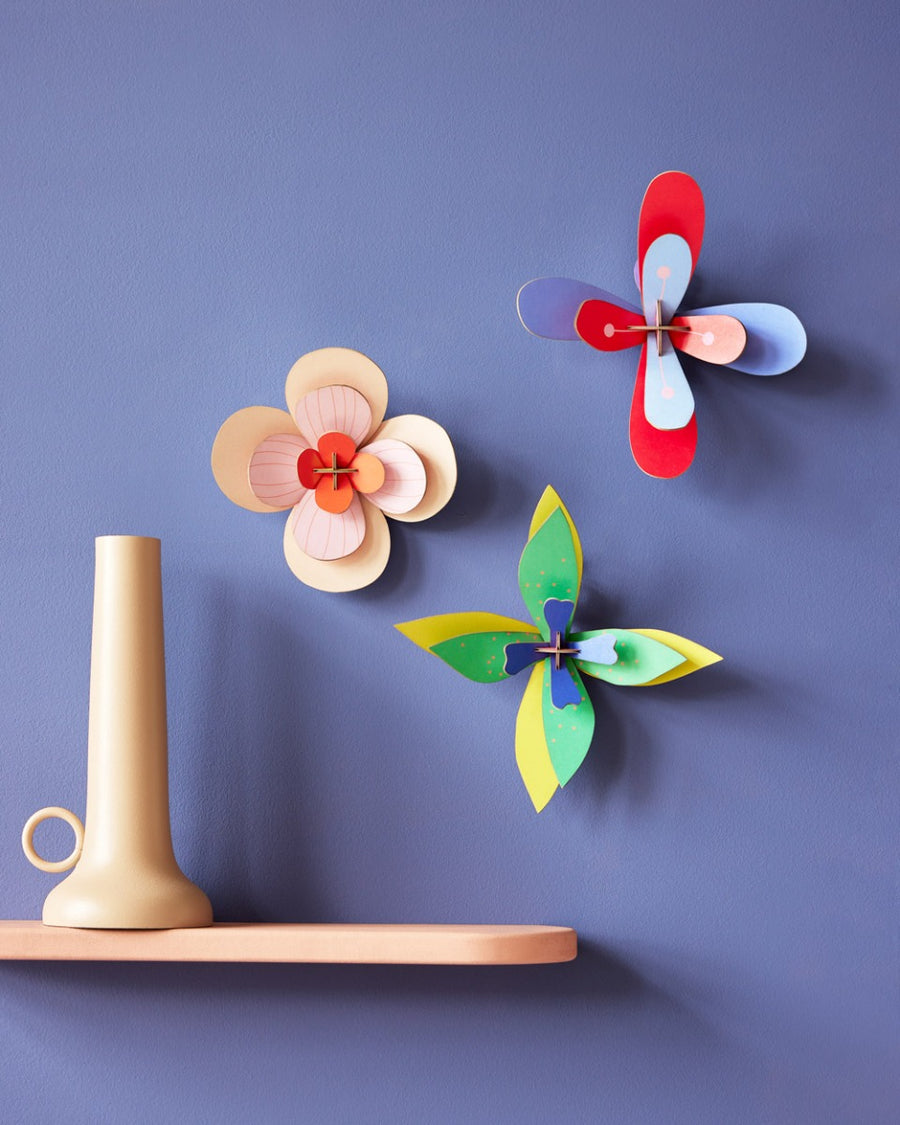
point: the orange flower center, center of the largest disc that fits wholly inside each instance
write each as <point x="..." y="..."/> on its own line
<point x="335" y="470"/>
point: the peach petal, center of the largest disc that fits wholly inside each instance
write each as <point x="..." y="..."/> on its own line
<point x="404" y="476"/>
<point x="238" y="437"/>
<point x="327" y="535"/>
<point x="333" y="409"/>
<point x="339" y="367"/>
<point x="369" y="475"/>
<point x="432" y="443"/>
<point x="352" y="572"/>
<point x="273" y="470"/>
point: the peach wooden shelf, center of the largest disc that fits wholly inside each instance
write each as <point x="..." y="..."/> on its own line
<point x="283" y="942"/>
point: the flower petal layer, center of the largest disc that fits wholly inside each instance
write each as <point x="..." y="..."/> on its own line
<point x="274" y="470"/>
<point x="695" y="656"/>
<point x="672" y="204"/>
<point x="532" y="752"/>
<point x="717" y="339"/>
<point x="432" y="444"/>
<point x="547" y="306"/>
<point x="333" y="409"/>
<point x="568" y="731"/>
<point x="352" y="572"/>
<point x="327" y="535"/>
<point x="404" y="476"/>
<point x="640" y="659"/>
<point x="658" y="453"/>
<point x="339" y="367"/>
<point x="482" y="657"/>
<point x="238" y="436"/>
<point x="548" y="568"/>
<point x="334" y="495"/>
<point x="307" y="463"/>
<point x="776" y="340"/>
<point x="608" y="327"/>
<point x="368" y="474"/>
<point x="426" y="632"/>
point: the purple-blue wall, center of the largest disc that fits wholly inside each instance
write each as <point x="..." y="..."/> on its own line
<point x="194" y="194"/>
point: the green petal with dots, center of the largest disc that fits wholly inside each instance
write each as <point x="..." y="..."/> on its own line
<point x="569" y="730"/>
<point x="549" y="567"/>
<point x="640" y="658"/>
<point x="479" y="656"/>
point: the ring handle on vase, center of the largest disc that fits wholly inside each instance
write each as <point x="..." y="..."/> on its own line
<point x="28" y="836"/>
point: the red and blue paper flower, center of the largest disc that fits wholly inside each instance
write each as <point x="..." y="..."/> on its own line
<point x="760" y="339"/>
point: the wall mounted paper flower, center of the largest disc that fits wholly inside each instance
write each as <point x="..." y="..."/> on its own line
<point x="337" y="466"/>
<point x="760" y="339"/>
<point x="555" y="726"/>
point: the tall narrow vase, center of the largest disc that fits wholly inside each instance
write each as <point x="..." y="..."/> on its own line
<point x="126" y="875"/>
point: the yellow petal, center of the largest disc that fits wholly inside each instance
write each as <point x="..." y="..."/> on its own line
<point x="532" y="755"/>
<point x="695" y="656"/>
<point x="427" y="632"/>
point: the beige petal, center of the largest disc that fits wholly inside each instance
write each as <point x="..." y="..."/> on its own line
<point x="432" y="443"/>
<point x="351" y="572"/>
<point x="339" y="367"/>
<point x="233" y="448"/>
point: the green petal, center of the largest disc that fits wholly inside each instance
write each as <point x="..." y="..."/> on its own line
<point x="695" y="656"/>
<point x="548" y="504"/>
<point x="479" y="656"/>
<point x="549" y="566"/>
<point x="568" y="731"/>
<point x="641" y="658"/>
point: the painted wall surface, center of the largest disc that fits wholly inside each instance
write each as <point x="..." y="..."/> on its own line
<point x="196" y="193"/>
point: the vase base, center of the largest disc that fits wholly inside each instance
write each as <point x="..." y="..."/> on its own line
<point x="127" y="900"/>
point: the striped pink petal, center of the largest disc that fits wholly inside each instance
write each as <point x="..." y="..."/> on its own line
<point x="335" y="409"/>
<point x="327" y="535"/>
<point x="404" y="476"/>
<point x="273" y="470"/>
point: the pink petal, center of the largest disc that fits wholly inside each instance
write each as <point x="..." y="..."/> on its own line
<point x="333" y="409"/>
<point x="327" y="535"/>
<point x="404" y="476"/>
<point x="273" y="470"/>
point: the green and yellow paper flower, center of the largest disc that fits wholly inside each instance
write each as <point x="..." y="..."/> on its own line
<point x="555" y="725"/>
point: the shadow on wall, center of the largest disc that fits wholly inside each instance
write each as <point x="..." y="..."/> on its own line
<point x="596" y="977"/>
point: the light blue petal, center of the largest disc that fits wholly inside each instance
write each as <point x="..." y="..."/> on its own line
<point x="776" y="340"/>
<point x="547" y="305"/>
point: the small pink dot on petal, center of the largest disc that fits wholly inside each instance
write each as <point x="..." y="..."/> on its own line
<point x="663" y="273"/>
<point x="668" y="392"/>
<point x="609" y="330"/>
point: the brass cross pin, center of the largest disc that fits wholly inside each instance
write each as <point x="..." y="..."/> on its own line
<point x="334" y="471"/>
<point x="557" y="651"/>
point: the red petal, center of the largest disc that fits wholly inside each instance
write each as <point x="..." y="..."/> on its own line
<point x="660" y="453"/>
<point x="673" y="204"/>
<point x="341" y="444"/>
<point x="605" y="326"/>
<point x="307" y="463"/>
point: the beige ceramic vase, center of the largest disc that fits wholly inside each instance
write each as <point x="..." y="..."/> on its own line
<point x="126" y="875"/>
